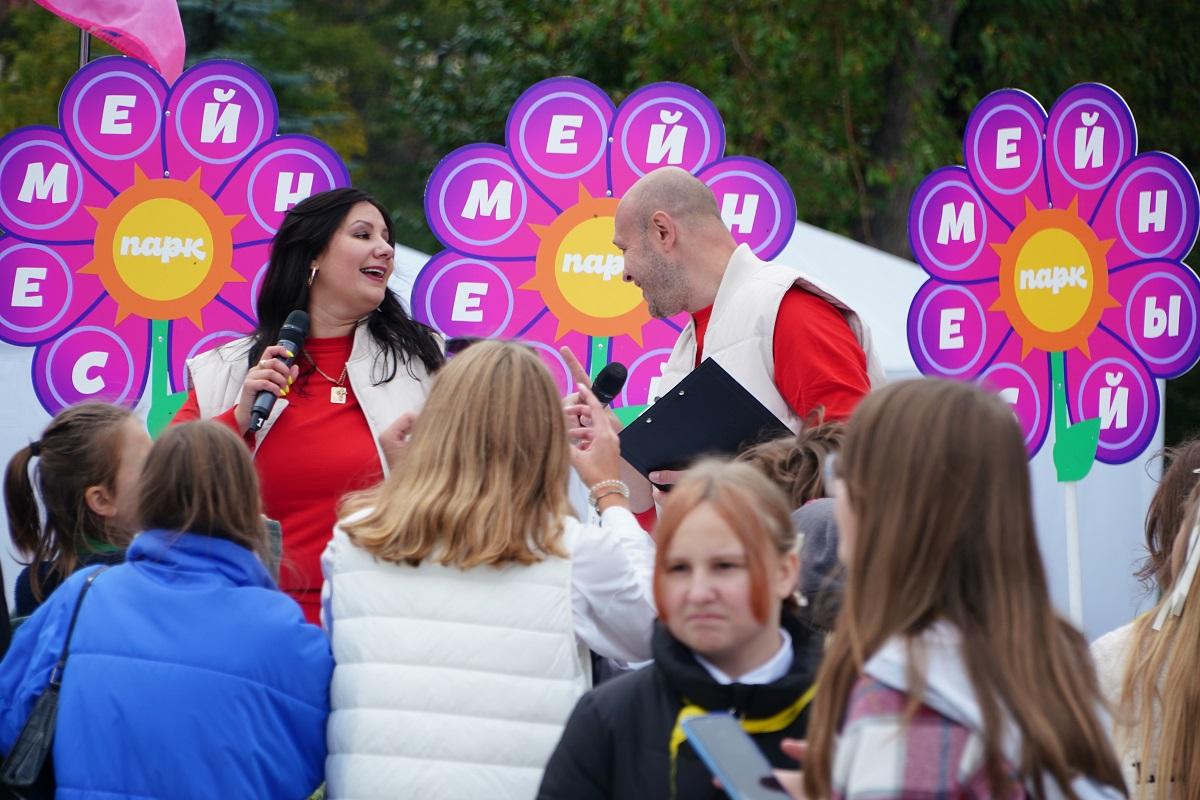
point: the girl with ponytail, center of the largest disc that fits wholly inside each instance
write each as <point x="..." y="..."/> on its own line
<point x="83" y="470"/>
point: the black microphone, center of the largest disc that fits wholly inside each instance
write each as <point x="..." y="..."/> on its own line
<point x="291" y="337"/>
<point x="608" y="382"/>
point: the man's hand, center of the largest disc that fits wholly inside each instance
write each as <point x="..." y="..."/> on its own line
<point x="579" y="415"/>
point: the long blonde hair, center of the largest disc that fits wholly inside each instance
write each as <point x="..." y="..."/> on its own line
<point x="1159" y="711"/>
<point x="483" y="480"/>
<point x="936" y="476"/>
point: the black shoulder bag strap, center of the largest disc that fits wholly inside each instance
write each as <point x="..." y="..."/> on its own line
<point x="29" y="758"/>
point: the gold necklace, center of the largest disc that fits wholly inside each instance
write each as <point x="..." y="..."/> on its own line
<point x="337" y="392"/>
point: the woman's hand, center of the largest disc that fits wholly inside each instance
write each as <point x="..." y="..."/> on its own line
<point x="269" y="374"/>
<point x="394" y="438"/>
<point x="595" y="448"/>
<point x="792" y="780"/>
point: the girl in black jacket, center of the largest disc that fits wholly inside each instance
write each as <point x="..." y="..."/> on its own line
<point x="724" y="576"/>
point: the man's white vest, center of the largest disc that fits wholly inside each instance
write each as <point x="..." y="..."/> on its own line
<point x="449" y="683"/>
<point x="741" y="331"/>
<point x="217" y="377"/>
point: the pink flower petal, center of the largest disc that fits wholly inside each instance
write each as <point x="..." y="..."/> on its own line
<point x="541" y="337"/>
<point x="41" y="292"/>
<point x="756" y="203"/>
<point x="1089" y="137"/>
<point x="1116" y="386"/>
<point x="1003" y="152"/>
<point x="96" y="360"/>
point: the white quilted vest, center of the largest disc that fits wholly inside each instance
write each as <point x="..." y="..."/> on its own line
<point x="217" y="377"/>
<point x="741" y="332"/>
<point x="448" y="683"/>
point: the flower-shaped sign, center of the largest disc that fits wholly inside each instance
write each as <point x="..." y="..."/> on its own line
<point x="529" y="226"/>
<point x="1056" y="271"/>
<point x="136" y="234"/>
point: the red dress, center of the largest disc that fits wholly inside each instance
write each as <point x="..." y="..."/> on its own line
<point x="315" y="452"/>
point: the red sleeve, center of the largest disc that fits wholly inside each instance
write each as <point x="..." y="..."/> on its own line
<point x="818" y="360"/>
<point x="190" y="412"/>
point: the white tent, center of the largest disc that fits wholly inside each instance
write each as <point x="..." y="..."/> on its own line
<point x="1113" y="500"/>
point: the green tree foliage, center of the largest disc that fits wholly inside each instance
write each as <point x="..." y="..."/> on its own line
<point x="854" y="101"/>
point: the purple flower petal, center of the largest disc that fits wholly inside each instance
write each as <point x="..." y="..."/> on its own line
<point x="1159" y="315"/>
<point x="1089" y="137"/>
<point x="950" y="228"/>
<point x="45" y="191"/>
<point x="756" y="203"/>
<point x="1024" y="382"/>
<point x="660" y="125"/>
<point x="951" y="331"/>
<point x="1150" y="211"/>
<point x="559" y="134"/>
<point x="222" y="323"/>
<point x="98" y="359"/>
<point x="645" y="361"/>
<point x="112" y="114"/>
<point x="1003" y="152"/>
<point x="477" y="202"/>
<point x="42" y="293"/>
<point x="1116" y="386"/>
<point x="276" y="176"/>
<point x="219" y="112"/>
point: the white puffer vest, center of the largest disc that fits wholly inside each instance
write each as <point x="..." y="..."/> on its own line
<point x="217" y="376"/>
<point x="741" y="331"/>
<point x="448" y="683"/>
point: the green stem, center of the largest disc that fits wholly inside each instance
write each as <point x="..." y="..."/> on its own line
<point x="599" y="354"/>
<point x="163" y="404"/>
<point x="1074" y="445"/>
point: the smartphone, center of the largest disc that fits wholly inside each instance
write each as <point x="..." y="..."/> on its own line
<point x="733" y="757"/>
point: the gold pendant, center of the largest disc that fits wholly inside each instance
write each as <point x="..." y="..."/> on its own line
<point x="337" y="394"/>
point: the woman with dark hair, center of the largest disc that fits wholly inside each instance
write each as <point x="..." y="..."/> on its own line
<point x="189" y="674"/>
<point x="363" y="370"/>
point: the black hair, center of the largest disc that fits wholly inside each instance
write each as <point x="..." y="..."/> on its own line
<point x="304" y="235"/>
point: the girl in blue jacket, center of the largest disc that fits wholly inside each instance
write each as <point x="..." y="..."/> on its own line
<point x="190" y="674"/>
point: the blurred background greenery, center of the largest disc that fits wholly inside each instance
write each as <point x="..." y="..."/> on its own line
<point x="853" y="101"/>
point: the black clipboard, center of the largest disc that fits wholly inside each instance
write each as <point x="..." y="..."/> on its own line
<point x="707" y="413"/>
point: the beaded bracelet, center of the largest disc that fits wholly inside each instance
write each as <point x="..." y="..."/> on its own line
<point x="596" y="492"/>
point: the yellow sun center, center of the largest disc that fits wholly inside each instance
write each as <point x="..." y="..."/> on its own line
<point x="578" y="273"/>
<point x="163" y="249"/>
<point x="1053" y="280"/>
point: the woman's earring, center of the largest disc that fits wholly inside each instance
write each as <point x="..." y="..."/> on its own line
<point x="312" y="275"/>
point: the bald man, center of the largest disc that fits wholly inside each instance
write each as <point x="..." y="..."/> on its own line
<point x="789" y="341"/>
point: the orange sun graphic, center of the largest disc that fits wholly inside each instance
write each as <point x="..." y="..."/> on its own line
<point x="163" y="248"/>
<point x="578" y="273"/>
<point x="1053" y="280"/>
